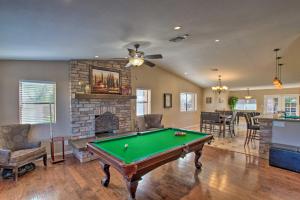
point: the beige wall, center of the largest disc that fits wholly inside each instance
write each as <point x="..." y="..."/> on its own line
<point x="219" y="101"/>
<point x="11" y="72"/>
<point x="156" y="79"/>
<point x="259" y="95"/>
<point x="159" y="82"/>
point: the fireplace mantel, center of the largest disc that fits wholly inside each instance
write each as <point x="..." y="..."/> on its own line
<point x="103" y="96"/>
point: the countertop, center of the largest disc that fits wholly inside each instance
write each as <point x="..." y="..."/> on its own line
<point x="276" y="117"/>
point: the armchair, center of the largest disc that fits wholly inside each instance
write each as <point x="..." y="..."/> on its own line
<point x="149" y="122"/>
<point x="16" y="150"/>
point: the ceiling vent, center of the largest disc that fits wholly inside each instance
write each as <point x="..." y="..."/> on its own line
<point x="179" y="38"/>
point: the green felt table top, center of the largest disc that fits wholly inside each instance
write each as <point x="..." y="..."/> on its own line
<point x="146" y="144"/>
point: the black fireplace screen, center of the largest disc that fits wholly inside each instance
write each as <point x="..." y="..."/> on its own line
<point x="106" y="123"/>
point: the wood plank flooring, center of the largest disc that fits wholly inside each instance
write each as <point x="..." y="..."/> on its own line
<point x="225" y="175"/>
<point x="235" y="143"/>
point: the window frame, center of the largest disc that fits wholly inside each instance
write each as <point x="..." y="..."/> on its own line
<point x="281" y="103"/>
<point x="147" y="102"/>
<point x="195" y="105"/>
<point x="54" y="115"/>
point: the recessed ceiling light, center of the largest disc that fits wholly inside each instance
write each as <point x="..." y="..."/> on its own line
<point x="96" y="56"/>
<point x="217" y="40"/>
<point x="185" y="73"/>
<point x="177" y="28"/>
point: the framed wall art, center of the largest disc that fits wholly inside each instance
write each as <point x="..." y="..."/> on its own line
<point x="104" y="81"/>
<point x="167" y="100"/>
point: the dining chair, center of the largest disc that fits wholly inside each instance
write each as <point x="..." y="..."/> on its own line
<point x="215" y="121"/>
<point x="204" y="121"/>
<point x="231" y="123"/>
<point x="251" y="129"/>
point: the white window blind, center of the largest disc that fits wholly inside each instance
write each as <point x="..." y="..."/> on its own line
<point x="35" y="100"/>
<point x="188" y="102"/>
<point x="143" y="102"/>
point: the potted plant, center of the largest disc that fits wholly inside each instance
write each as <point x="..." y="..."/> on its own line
<point x="232" y="101"/>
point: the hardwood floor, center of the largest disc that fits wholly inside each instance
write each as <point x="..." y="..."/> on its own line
<point x="235" y="143"/>
<point x="225" y="175"/>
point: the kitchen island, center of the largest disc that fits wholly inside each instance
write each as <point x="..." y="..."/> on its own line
<point x="280" y="141"/>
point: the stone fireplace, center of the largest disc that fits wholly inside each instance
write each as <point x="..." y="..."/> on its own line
<point x="87" y="110"/>
<point x="106" y="123"/>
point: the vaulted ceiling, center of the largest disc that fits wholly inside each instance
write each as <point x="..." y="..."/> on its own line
<point x="75" y="29"/>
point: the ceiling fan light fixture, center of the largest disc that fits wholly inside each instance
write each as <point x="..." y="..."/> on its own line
<point x="136" y="61"/>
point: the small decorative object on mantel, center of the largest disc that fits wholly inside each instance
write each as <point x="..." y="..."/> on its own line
<point x="87" y="89"/>
<point x="126" y="90"/>
<point x="167" y="100"/>
<point x="81" y="87"/>
<point x="105" y="81"/>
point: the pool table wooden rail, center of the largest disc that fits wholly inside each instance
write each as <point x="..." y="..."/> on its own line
<point x="133" y="172"/>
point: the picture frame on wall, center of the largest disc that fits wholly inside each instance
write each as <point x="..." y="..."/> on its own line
<point x="208" y="100"/>
<point x="167" y="100"/>
<point x="105" y="81"/>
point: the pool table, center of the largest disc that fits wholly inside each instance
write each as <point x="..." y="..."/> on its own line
<point x="136" y="154"/>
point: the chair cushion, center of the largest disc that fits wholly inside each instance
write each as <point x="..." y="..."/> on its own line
<point x="14" y="137"/>
<point x="26" y="155"/>
<point x="153" y="121"/>
<point x="254" y="127"/>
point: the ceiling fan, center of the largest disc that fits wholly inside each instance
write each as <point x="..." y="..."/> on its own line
<point x="137" y="58"/>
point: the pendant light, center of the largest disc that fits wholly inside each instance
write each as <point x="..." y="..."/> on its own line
<point x="219" y="88"/>
<point x="248" y="96"/>
<point x="277" y="79"/>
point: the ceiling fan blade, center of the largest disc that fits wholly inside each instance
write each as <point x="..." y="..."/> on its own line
<point x="155" y="56"/>
<point x="150" y="64"/>
<point x="128" y="65"/>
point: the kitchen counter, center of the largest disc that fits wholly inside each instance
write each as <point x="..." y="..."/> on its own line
<point x="277" y="130"/>
<point x="275" y="117"/>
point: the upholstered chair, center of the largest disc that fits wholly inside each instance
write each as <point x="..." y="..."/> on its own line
<point x="16" y="150"/>
<point x="148" y="122"/>
<point x="153" y="121"/>
<point x="140" y="125"/>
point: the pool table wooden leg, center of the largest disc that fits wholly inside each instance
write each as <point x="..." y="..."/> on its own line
<point x="132" y="185"/>
<point x="106" y="179"/>
<point x="198" y="154"/>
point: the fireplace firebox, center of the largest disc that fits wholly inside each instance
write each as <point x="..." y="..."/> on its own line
<point x="106" y="123"/>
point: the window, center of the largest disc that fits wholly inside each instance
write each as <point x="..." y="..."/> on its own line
<point x="35" y="100"/>
<point x="188" y="102"/>
<point x="272" y="104"/>
<point x="246" y="104"/>
<point x="291" y="105"/>
<point x="143" y="102"/>
<point x="288" y="103"/>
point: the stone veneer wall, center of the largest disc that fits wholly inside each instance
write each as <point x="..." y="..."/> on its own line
<point x="265" y="134"/>
<point x="83" y="111"/>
